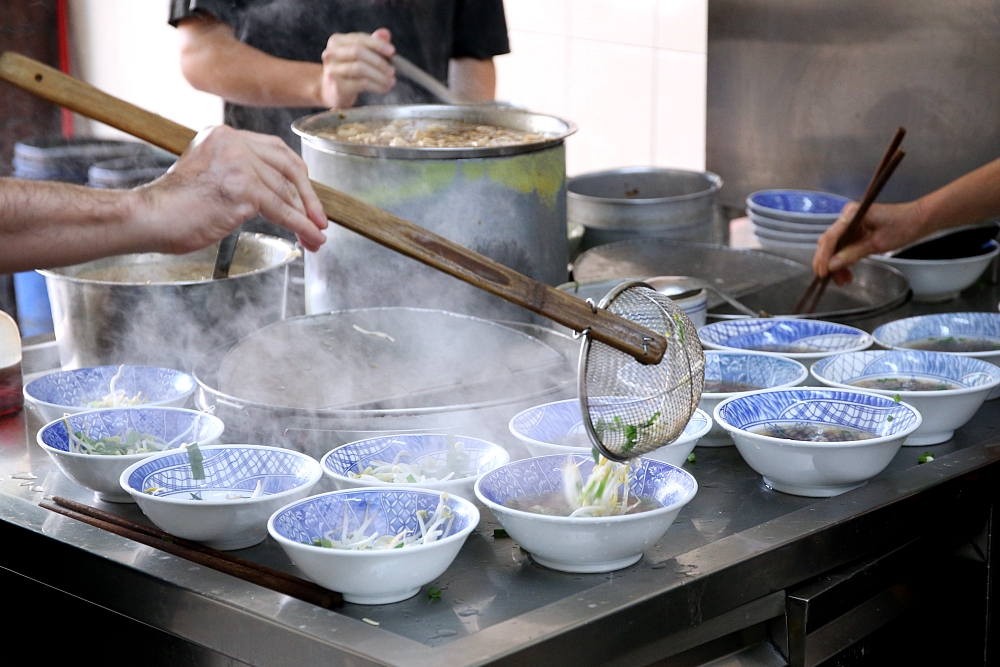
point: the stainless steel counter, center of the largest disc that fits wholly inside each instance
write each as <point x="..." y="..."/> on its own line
<point x="723" y="568"/>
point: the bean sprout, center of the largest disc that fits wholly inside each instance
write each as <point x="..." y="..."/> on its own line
<point x="128" y="442"/>
<point x="115" y="398"/>
<point x="455" y="465"/>
<point x="598" y="496"/>
<point x="432" y="528"/>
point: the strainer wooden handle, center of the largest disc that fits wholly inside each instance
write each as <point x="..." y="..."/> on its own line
<point x="380" y="226"/>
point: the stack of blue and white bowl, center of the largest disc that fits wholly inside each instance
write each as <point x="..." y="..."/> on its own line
<point x="790" y="222"/>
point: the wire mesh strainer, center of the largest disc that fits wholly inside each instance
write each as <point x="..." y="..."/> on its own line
<point x="629" y="408"/>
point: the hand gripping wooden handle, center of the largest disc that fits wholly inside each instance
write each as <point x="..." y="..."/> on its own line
<point x="371" y="222"/>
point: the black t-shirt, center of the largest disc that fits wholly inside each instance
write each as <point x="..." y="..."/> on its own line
<point x="426" y="32"/>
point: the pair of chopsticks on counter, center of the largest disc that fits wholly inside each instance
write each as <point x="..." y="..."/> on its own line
<point x="221" y="561"/>
<point x="893" y="156"/>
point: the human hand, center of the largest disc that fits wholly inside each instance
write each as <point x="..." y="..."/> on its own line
<point x="356" y="62"/>
<point x="885" y="227"/>
<point x="224" y="178"/>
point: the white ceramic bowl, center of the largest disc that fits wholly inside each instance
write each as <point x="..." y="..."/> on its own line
<point x="70" y="392"/>
<point x="803" y="340"/>
<point x="585" y="544"/>
<point x="797" y="205"/>
<point x="901" y="334"/>
<point x="757" y="370"/>
<point x="811" y="237"/>
<point x="221" y="510"/>
<point x="353" y="457"/>
<point x="100" y="473"/>
<point x="817" y="469"/>
<point x="812" y="227"/>
<point x="942" y="411"/>
<point x="543" y="427"/>
<point x="370" y="576"/>
<point x="936" y="280"/>
<point x="798" y="252"/>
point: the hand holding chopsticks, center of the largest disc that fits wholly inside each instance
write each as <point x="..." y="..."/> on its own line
<point x="893" y="156"/>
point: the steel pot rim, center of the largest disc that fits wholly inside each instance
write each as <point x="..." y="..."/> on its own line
<point x="714" y="180"/>
<point x="488" y="114"/>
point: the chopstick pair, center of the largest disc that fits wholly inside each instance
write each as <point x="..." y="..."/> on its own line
<point x="276" y="580"/>
<point x="893" y="156"/>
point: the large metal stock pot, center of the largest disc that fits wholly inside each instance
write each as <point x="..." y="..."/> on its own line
<point x="138" y="321"/>
<point x="508" y="203"/>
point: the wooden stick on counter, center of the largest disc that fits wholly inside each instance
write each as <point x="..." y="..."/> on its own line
<point x="280" y="582"/>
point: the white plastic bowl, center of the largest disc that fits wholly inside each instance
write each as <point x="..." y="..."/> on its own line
<point x="942" y="411"/>
<point x="354" y="456"/>
<point x="222" y="524"/>
<point x="758" y="369"/>
<point x="540" y="426"/>
<point x="100" y="473"/>
<point x="585" y="544"/>
<point x="370" y="576"/>
<point x="936" y="280"/>
<point x="817" y="469"/>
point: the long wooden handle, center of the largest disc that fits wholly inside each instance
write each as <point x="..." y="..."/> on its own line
<point x="371" y="222"/>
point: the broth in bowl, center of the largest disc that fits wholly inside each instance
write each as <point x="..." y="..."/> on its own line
<point x="717" y="386"/>
<point x="905" y="384"/>
<point x="806" y="432"/>
<point x="953" y="344"/>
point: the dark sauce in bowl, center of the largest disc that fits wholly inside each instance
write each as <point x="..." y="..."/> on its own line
<point x="806" y="432"/>
<point x="905" y="384"/>
<point x="728" y="387"/>
<point x="953" y="344"/>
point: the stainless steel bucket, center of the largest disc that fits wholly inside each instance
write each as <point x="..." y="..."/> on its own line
<point x="173" y="324"/>
<point x="508" y="203"/>
<point x="643" y="202"/>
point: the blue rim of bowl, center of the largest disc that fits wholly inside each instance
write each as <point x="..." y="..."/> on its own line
<point x="123" y="457"/>
<point x="718" y="395"/>
<point x="903" y="393"/>
<point x="452" y="483"/>
<point x="570" y="449"/>
<point x="902" y="435"/>
<point x="313" y="479"/>
<point x="865" y="336"/>
<point x="376" y="553"/>
<point x="589" y="520"/>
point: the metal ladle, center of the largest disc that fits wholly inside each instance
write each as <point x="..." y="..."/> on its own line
<point x="637" y="391"/>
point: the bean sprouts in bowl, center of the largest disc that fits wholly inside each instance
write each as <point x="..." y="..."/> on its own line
<point x="585" y="543"/>
<point x="334" y="539"/>
<point x="94" y="448"/>
<point x="450" y="463"/>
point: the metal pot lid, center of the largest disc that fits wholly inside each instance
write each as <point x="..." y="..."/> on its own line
<point x="384" y="359"/>
<point x="555" y="129"/>
<point x="760" y="280"/>
<point x="642" y="186"/>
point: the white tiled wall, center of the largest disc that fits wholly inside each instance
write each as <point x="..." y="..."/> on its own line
<point x="630" y="73"/>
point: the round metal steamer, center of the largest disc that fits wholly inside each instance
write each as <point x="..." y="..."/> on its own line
<point x="315" y="382"/>
<point x="508" y="203"/>
<point x="169" y="324"/>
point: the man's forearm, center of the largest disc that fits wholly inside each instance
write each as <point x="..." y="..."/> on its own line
<point x="46" y="224"/>
<point x="472" y="80"/>
<point x="213" y="60"/>
<point x="970" y="198"/>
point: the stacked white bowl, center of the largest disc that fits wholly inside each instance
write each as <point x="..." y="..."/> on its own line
<point x="790" y="222"/>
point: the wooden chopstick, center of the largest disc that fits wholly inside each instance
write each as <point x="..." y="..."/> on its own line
<point x="818" y="285"/>
<point x="240" y="568"/>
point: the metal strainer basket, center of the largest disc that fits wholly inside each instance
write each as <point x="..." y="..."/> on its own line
<point x="630" y="409"/>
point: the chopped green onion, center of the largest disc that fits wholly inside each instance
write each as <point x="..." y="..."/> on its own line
<point x="888" y="418"/>
<point x="197" y="461"/>
<point x="434" y="593"/>
<point x="499" y="534"/>
<point x="692" y="458"/>
<point x="926" y="458"/>
<point x="897" y="398"/>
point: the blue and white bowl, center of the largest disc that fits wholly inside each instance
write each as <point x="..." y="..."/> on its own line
<point x="942" y="411"/>
<point x="818" y="469"/>
<point x="804" y="340"/>
<point x="797" y="205"/>
<point x="903" y="334"/>
<point x="100" y="473"/>
<point x="353" y="457"/>
<point x="243" y="486"/>
<point x="371" y="576"/>
<point x="585" y="544"/>
<point x="69" y="392"/>
<point x="557" y="428"/>
<point x="755" y="370"/>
